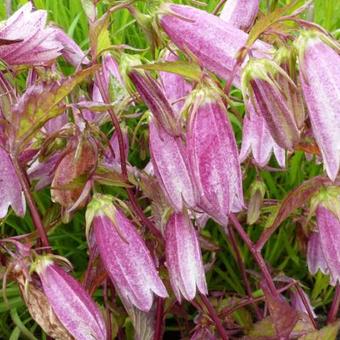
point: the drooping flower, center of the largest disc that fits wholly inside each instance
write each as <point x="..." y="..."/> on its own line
<point x="320" y="77"/>
<point x="32" y="42"/>
<point x="72" y="179"/>
<point x="212" y="41"/>
<point x="183" y="258"/>
<point x="213" y="156"/>
<point x="298" y="303"/>
<point x="75" y="309"/>
<point x="323" y="251"/>
<point x="258" y="140"/>
<point x="176" y="88"/>
<point x="264" y="92"/>
<point x="169" y="159"/>
<point x="286" y="58"/>
<point x="240" y="13"/>
<point x="71" y="51"/>
<point x="11" y="193"/>
<point x="108" y="76"/>
<point x="124" y="254"/>
<point x="152" y="94"/>
<point x="315" y="258"/>
<point x="329" y="233"/>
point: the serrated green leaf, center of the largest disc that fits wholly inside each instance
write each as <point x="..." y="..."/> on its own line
<point x="43" y="106"/>
<point x="267" y="20"/>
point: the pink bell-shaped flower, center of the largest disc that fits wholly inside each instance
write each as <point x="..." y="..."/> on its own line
<point x="320" y="78"/>
<point x="183" y="258"/>
<point x="258" y="140"/>
<point x="240" y="13"/>
<point x="213" y="155"/>
<point x="124" y="254"/>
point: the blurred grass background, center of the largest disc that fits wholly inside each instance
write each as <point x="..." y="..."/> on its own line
<point x="284" y="251"/>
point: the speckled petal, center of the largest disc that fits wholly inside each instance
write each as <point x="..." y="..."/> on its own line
<point x="169" y="159"/>
<point x="71" y="303"/>
<point x="71" y="51"/>
<point x="329" y="231"/>
<point x="213" y="42"/>
<point x="315" y="258"/>
<point x="183" y="258"/>
<point x="36" y="44"/>
<point x="240" y="13"/>
<point x="258" y="140"/>
<point x="176" y="88"/>
<point x="127" y="260"/>
<point x="10" y="188"/>
<point x="213" y="157"/>
<point x="320" y="66"/>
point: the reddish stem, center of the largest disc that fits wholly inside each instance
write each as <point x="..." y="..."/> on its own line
<point x="212" y="313"/>
<point x="243" y="270"/>
<point x="159" y="319"/>
<point x="256" y="254"/>
<point x="335" y="305"/>
<point x="139" y="212"/>
<point x="307" y="306"/>
<point x="21" y="173"/>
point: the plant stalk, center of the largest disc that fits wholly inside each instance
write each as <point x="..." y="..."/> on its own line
<point x="212" y="313"/>
<point x="37" y="221"/>
<point x="256" y="254"/>
<point x="335" y="305"/>
<point x="243" y="270"/>
<point x="159" y="319"/>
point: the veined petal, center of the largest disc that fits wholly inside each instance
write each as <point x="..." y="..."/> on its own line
<point x="169" y="159"/>
<point x="70" y="302"/>
<point x="315" y="257"/>
<point x="240" y="13"/>
<point x="212" y="41"/>
<point x="329" y="231"/>
<point x="213" y="157"/>
<point x="320" y="67"/>
<point x="11" y="193"/>
<point x="183" y="256"/>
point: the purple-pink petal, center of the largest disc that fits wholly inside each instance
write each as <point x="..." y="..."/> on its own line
<point x="127" y="260"/>
<point x="71" y="51"/>
<point x="36" y="43"/>
<point x="169" y="159"/>
<point x="176" y="88"/>
<point x="11" y="193"/>
<point x="320" y="66"/>
<point x="329" y="232"/>
<point x="258" y="140"/>
<point x="71" y="303"/>
<point x="240" y="13"/>
<point x="214" y="160"/>
<point x="315" y="258"/>
<point x="212" y="41"/>
<point x="183" y="258"/>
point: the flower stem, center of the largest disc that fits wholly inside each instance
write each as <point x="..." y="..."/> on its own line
<point x="214" y="317"/>
<point x="21" y="173"/>
<point x="139" y="212"/>
<point x="335" y="305"/>
<point x="159" y="319"/>
<point x="243" y="270"/>
<point x="256" y="254"/>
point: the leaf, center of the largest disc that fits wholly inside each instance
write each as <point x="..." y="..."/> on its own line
<point x="40" y="104"/>
<point x="188" y="70"/>
<point x="268" y="20"/>
<point x="329" y="332"/>
<point x="295" y="199"/>
<point x="282" y="314"/>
